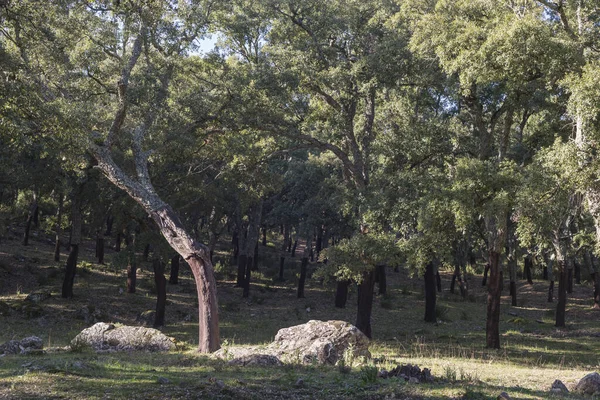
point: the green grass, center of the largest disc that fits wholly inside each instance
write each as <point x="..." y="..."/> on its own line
<point x="534" y="353"/>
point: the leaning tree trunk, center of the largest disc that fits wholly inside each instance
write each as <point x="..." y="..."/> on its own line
<point x="58" y="227"/>
<point x="485" y="274"/>
<point x="365" y="303"/>
<point x="71" y="266"/>
<point x="33" y="210"/>
<point x="430" y="293"/>
<point x="196" y="254"/>
<point x="492" y="326"/>
<point x="161" y="292"/>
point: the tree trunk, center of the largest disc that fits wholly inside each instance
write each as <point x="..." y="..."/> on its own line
<point x="294" y="248"/>
<point x="241" y="272"/>
<point x="596" y="280"/>
<point x="365" y="304"/>
<point x="235" y="243"/>
<point x="493" y="303"/>
<point x="485" y="274"/>
<point x="255" y="258"/>
<point x="438" y="280"/>
<point x="319" y="242"/>
<point x="569" y="263"/>
<point x="161" y="292"/>
<point x="247" y="276"/>
<point x="430" y="293"/>
<point x="71" y="266"/>
<point x="109" y="225"/>
<point x="118" y="242"/>
<point x="264" y="236"/>
<point x="33" y="209"/>
<point x="146" y="252"/>
<point x="577" y="272"/>
<point x="512" y="272"/>
<point x="301" y="281"/>
<point x="58" y="227"/>
<point x="131" y="273"/>
<point x="341" y="293"/>
<point x="454" y="275"/>
<point x="281" y="265"/>
<point x="100" y="247"/>
<point x="527" y="265"/>
<point x="561" y="305"/>
<point x="174" y="276"/>
<point x="382" y="281"/>
<point x="70" y="270"/>
<point x="545" y="273"/>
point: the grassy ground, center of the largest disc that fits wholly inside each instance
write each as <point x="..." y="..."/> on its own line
<point x="534" y="353"/>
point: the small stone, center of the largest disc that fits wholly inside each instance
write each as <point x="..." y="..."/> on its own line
<point x="220" y="384"/>
<point x="300" y="382"/>
<point x="514" y="314"/>
<point x="413" y="380"/>
<point x="558" y="386"/>
<point x="162" y="380"/>
<point x="307" y="309"/>
<point x="503" y="396"/>
<point x="38" y="297"/>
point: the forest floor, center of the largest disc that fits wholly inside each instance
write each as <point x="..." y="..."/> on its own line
<point x="534" y="353"/>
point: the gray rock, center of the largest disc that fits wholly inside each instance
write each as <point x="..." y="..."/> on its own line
<point x="408" y="372"/>
<point x="108" y="338"/>
<point x="558" y="386"/>
<point x="162" y="380"/>
<point x="413" y="380"/>
<point x="256" y="359"/>
<point x="321" y="341"/>
<point x="299" y="382"/>
<point x="38" y="297"/>
<point x="24" y="346"/>
<point x="589" y="384"/>
<point x="383" y="374"/>
<point x="503" y="396"/>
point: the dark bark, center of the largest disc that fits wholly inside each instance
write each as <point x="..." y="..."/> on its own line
<point x="513" y="293"/>
<point x="341" y="293"/>
<point x="577" y="271"/>
<point x="485" y="274"/>
<point x="109" y="225"/>
<point x="430" y="293"/>
<point x="319" y="242"/>
<point x="70" y="270"/>
<point x="146" y="252"/>
<point x="131" y="273"/>
<point x="382" y="279"/>
<point x="58" y="227"/>
<point x="161" y="292"/>
<point x="438" y="280"/>
<point x="255" y="258"/>
<point x="264" y="236"/>
<point x="596" y="280"/>
<point x="302" y="280"/>
<point x="527" y="266"/>
<point x="569" y="276"/>
<point x="551" y="292"/>
<point x="545" y="273"/>
<point x="241" y="272"/>
<point x="493" y="302"/>
<point x="281" y="265"/>
<point x="174" y="275"/>
<point x="561" y="305"/>
<point x="247" y="277"/>
<point x="100" y="248"/>
<point x="235" y="243"/>
<point x="33" y="209"/>
<point x="118" y="242"/>
<point x="365" y="303"/>
<point x="455" y="275"/>
<point x="294" y="248"/>
<point x="71" y="266"/>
